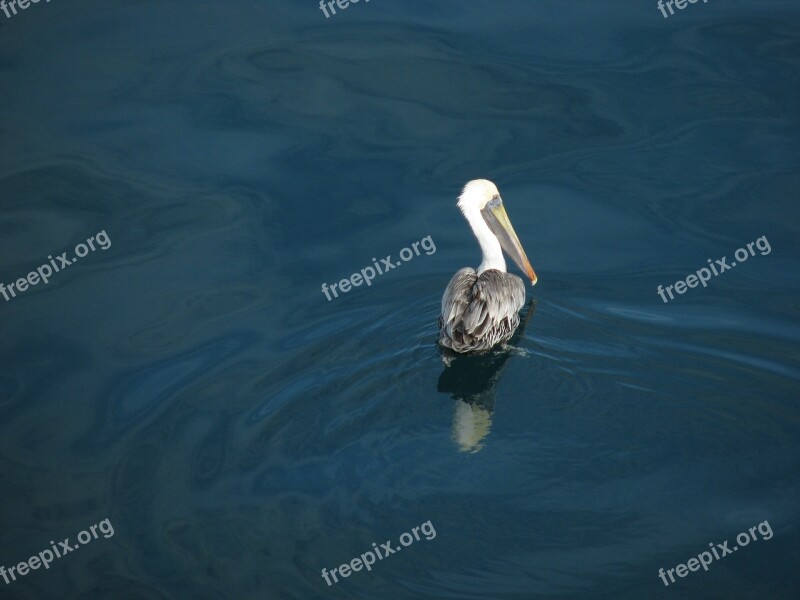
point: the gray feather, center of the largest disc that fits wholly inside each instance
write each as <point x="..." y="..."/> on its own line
<point x="479" y="312"/>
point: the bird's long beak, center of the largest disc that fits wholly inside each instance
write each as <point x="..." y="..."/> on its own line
<point x="496" y="218"/>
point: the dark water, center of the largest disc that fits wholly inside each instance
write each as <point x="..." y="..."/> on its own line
<point x="192" y="384"/>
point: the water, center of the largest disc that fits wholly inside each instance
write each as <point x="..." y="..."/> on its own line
<point x="194" y="386"/>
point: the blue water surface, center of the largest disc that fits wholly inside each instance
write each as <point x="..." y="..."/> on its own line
<point x="193" y="387"/>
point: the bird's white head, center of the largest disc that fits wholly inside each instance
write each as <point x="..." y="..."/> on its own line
<point x="482" y="206"/>
<point x="476" y="194"/>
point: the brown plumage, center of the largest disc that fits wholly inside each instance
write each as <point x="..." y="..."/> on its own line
<point x="479" y="312"/>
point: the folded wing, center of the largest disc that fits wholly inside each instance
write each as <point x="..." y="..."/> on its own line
<point x="479" y="312"/>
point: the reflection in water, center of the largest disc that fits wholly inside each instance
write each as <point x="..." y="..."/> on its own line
<point x="471" y="380"/>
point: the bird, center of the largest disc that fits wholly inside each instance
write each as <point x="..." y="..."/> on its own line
<point x="480" y="308"/>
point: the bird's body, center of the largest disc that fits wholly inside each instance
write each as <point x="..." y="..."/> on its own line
<point x="480" y="308"/>
<point x="480" y="311"/>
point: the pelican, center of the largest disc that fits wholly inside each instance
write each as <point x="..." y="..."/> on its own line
<point x="480" y="309"/>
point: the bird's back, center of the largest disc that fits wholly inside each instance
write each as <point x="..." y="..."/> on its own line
<point x="480" y="311"/>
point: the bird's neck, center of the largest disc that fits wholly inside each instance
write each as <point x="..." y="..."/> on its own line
<point x="490" y="246"/>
